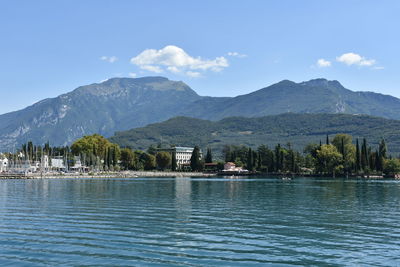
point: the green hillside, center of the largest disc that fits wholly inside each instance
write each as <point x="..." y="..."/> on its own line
<point x="298" y="129"/>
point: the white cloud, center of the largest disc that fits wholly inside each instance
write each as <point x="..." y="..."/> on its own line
<point x="193" y="74"/>
<point x="322" y="63"/>
<point x="132" y="75"/>
<point x="173" y="69"/>
<point x="111" y="59"/>
<point x="174" y="59"/>
<point x="236" y="54"/>
<point x="379" y="68"/>
<point x="355" y="59"/>
<point x="151" y="68"/>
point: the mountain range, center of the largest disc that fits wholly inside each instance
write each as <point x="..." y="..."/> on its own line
<point x="124" y="103"/>
<point x="297" y="129"/>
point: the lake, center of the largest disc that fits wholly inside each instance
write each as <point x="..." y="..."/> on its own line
<point x="199" y="222"/>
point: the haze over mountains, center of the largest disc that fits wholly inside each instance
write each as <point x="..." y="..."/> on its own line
<point x="123" y="103"/>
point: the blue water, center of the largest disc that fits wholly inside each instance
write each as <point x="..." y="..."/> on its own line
<point x="199" y="222"/>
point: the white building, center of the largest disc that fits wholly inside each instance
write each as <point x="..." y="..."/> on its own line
<point x="78" y="166"/>
<point x="45" y="162"/>
<point x="3" y="164"/>
<point x="57" y="163"/>
<point x="231" y="167"/>
<point x="182" y="154"/>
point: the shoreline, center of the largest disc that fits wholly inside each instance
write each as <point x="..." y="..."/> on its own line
<point x="161" y="174"/>
<point x="125" y="174"/>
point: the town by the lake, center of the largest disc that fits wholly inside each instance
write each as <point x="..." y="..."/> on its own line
<point x="199" y="133"/>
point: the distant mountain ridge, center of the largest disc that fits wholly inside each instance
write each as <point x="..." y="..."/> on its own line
<point x="314" y="96"/>
<point x="124" y="103"/>
<point x="116" y="104"/>
<point x="296" y="129"/>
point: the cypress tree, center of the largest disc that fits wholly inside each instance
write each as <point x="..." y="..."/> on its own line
<point x="173" y="161"/>
<point x="255" y="159"/>
<point x="362" y="158"/>
<point x="383" y="148"/>
<point x="368" y="152"/>
<point x="371" y="159"/>
<point x="233" y="156"/>
<point x="228" y="154"/>
<point x="249" y="164"/>
<point x="358" y="163"/>
<point x="342" y="148"/>
<point x="195" y="162"/>
<point x="109" y="158"/>
<point x="292" y="159"/>
<point x="105" y="159"/>
<point x="377" y="161"/>
<point x="364" y="155"/>
<point x="259" y="161"/>
<point x="114" y="156"/>
<point x="381" y="155"/>
<point x="208" y="156"/>
<point x="273" y="162"/>
<point x="277" y="157"/>
<point x="327" y="139"/>
<point x="30" y="150"/>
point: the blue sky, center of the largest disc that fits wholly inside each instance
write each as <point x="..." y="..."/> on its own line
<point x="219" y="48"/>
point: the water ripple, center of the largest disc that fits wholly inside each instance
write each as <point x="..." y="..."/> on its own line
<point x="199" y="222"/>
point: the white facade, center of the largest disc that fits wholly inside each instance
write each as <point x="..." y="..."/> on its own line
<point x="182" y="154"/>
<point x="78" y="166"/>
<point x="45" y="162"/>
<point x="3" y="164"/>
<point x="57" y="163"/>
<point x="231" y="167"/>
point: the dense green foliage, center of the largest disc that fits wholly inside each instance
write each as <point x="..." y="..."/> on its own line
<point x="93" y="144"/>
<point x="195" y="160"/>
<point x="208" y="158"/>
<point x="95" y="150"/>
<point x="392" y="166"/>
<point x="174" y="164"/>
<point x="341" y="156"/>
<point x="298" y="129"/>
<point x="128" y="159"/>
<point x="328" y="159"/>
<point x="163" y="160"/>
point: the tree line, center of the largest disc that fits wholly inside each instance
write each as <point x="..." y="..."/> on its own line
<point x="339" y="156"/>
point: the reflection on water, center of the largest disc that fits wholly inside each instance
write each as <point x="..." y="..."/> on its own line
<point x="199" y="222"/>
